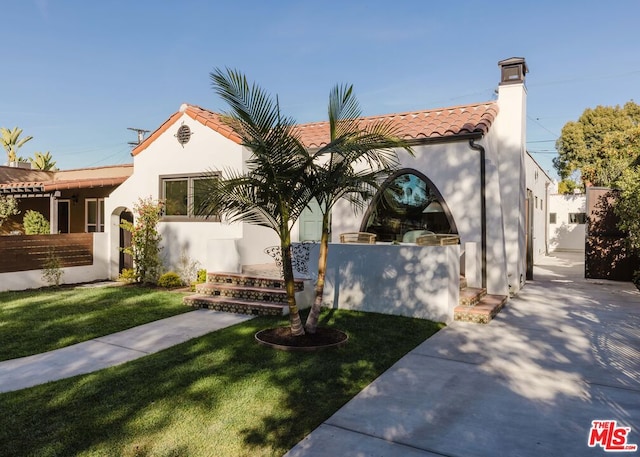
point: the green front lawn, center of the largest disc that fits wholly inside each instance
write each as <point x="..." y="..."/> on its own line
<point x="36" y="321"/>
<point x="218" y="395"/>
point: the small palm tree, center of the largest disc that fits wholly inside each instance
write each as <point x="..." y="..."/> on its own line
<point x="11" y="142"/>
<point x="274" y="191"/>
<point x="351" y="166"/>
<point x="42" y="161"/>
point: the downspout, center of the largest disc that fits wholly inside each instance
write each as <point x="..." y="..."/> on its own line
<point x="483" y="209"/>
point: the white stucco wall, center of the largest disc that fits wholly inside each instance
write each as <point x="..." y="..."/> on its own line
<point x="206" y="151"/>
<point x="406" y="280"/>
<point x="563" y="235"/>
<point x="540" y="184"/>
<point x="510" y="131"/>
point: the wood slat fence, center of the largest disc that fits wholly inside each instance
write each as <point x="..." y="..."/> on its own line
<point x="30" y="252"/>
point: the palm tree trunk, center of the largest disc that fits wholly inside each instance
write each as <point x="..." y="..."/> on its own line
<point x="312" y="320"/>
<point x="287" y="272"/>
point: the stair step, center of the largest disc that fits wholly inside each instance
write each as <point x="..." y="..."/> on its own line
<point x="240" y="279"/>
<point x="261" y="294"/>
<point x="470" y="296"/>
<point x="236" y="305"/>
<point x="482" y="313"/>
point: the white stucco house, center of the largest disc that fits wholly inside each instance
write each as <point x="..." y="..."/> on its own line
<point x="471" y="176"/>
<point x="567" y="222"/>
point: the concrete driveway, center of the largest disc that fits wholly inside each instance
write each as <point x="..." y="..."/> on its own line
<point x="563" y="353"/>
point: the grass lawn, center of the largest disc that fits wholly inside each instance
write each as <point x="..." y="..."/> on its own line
<point x="218" y="395"/>
<point x="36" y="321"/>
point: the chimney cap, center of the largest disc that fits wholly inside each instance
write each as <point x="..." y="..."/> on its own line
<point x="513" y="70"/>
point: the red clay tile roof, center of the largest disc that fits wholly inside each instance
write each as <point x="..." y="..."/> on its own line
<point x="419" y="125"/>
<point x="205" y="117"/>
<point x="15" y="180"/>
<point x="412" y="126"/>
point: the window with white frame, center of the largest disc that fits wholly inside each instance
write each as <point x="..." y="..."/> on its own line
<point x="94" y="215"/>
<point x="182" y="196"/>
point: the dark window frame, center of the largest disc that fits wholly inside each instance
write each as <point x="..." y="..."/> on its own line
<point x="577" y="218"/>
<point x="190" y="178"/>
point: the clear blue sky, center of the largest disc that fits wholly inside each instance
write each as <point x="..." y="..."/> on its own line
<point x="76" y="73"/>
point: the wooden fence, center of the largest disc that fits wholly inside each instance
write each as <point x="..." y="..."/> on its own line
<point x="30" y="252"/>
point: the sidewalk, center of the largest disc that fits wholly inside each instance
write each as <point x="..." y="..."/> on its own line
<point x="113" y="349"/>
<point x="564" y="352"/>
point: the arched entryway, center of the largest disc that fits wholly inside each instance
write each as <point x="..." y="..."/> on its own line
<point x="407" y="204"/>
<point x="119" y="239"/>
<point x="125" y="261"/>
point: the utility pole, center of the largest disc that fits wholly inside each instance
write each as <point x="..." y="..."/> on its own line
<point x="141" y="133"/>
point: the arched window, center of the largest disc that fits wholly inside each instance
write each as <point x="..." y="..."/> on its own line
<point x="406" y="205"/>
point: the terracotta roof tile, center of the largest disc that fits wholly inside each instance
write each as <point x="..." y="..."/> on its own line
<point x="205" y="117"/>
<point x="85" y="178"/>
<point x="417" y="125"/>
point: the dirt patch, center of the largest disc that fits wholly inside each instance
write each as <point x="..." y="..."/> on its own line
<point x="281" y="338"/>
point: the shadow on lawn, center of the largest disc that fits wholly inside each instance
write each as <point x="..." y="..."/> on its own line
<point x="222" y="394"/>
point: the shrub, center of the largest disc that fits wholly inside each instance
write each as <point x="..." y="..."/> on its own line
<point x="52" y="271"/>
<point x="35" y="223"/>
<point x="187" y="268"/>
<point x="202" y="276"/>
<point x="8" y="207"/>
<point x="145" y="240"/>
<point x="127" y="275"/>
<point x="170" y="280"/>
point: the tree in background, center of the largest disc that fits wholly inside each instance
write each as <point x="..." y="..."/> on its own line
<point x="627" y="208"/>
<point x="8" y="208"/>
<point x="145" y="240"/>
<point x="11" y="142"/>
<point x="600" y="145"/>
<point x="42" y="161"/>
<point x="567" y="186"/>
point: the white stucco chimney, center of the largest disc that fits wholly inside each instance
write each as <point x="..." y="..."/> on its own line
<point x="512" y="139"/>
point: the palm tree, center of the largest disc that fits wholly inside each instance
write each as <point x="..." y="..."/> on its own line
<point x="11" y="142"/>
<point x="357" y="158"/>
<point x="274" y="191"/>
<point x="42" y="161"/>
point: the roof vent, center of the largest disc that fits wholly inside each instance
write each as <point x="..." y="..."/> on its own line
<point x="183" y="135"/>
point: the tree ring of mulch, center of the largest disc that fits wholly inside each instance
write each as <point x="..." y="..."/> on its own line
<point x="282" y="339"/>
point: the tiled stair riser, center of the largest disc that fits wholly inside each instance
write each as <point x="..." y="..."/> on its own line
<point x="242" y="294"/>
<point x="476" y="306"/>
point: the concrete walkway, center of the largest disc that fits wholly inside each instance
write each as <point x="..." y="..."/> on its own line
<point x="564" y="352"/>
<point x="112" y="350"/>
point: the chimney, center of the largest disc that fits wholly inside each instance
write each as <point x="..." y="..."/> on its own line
<point x="511" y="130"/>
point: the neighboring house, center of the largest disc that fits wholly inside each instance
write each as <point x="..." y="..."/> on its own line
<point x="462" y="153"/>
<point x="72" y="200"/>
<point x="567" y="222"/>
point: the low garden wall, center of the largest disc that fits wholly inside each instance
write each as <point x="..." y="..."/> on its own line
<point x="407" y="280"/>
<point x="82" y="258"/>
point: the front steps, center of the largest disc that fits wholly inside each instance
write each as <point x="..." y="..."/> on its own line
<point x="476" y="306"/>
<point x="243" y="294"/>
<point x="262" y="293"/>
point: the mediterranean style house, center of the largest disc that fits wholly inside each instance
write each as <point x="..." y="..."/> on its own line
<point x="471" y="177"/>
